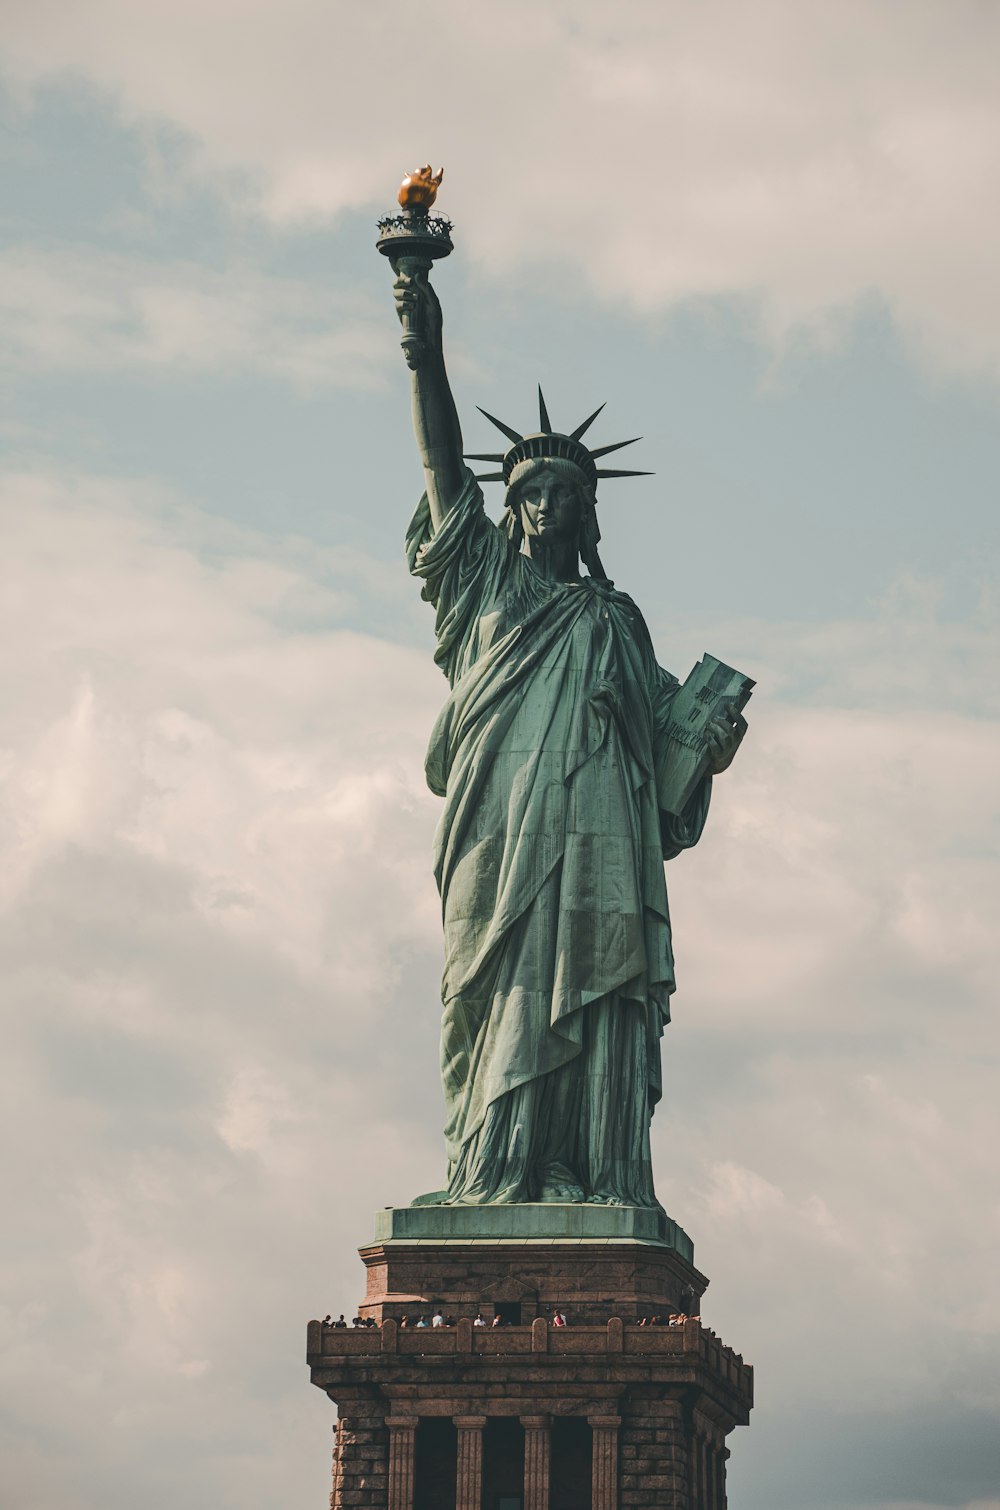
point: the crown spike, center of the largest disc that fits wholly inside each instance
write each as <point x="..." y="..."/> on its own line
<point x="605" y="450"/>
<point x="504" y="429"/>
<point x="612" y="472"/>
<point x="544" y="423"/>
<point x="483" y="455"/>
<point x="490" y="477"/>
<point x="582" y="429"/>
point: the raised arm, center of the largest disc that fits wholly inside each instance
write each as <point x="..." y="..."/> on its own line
<point x="435" y="418"/>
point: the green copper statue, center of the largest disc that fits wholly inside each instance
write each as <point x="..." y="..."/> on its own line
<point x="551" y="755"/>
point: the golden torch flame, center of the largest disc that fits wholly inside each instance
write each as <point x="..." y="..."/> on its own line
<point x="418" y="190"/>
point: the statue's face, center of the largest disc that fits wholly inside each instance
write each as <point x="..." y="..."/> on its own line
<point x="550" y="507"/>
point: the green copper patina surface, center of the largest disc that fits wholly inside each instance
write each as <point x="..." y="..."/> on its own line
<point x="527" y="1222"/>
<point x="548" y="755"/>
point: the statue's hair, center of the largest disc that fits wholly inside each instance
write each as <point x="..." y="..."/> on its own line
<point x="590" y="532"/>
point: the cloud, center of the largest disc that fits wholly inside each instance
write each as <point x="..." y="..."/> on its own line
<point x="82" y="311"/>
<point x="223" y="948"/>
<point x="990" y="1504"/>
<point x="208" y="902"/>
<point x="799" y="158"/>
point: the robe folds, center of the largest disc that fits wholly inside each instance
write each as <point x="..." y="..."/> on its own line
<point x="549" y="860"/>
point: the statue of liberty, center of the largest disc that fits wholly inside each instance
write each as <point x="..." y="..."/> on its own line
<point x="549" y="755"/>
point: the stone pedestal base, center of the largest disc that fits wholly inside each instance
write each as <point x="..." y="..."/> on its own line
<point x="600" y="1414"/>
<point x="531" y="1222"/>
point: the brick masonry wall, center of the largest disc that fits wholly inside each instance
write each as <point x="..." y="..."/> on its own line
<point x="653" y="1456"/>
<point x="360" y="1464"/>
<point x="590" y="1282"/>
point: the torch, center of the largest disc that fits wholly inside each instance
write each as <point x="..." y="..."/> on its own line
<point x="413" y="240"/>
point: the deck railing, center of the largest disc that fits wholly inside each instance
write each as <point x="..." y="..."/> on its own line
<point x="537" y="1336"/>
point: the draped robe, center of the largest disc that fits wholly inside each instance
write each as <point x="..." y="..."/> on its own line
<point x="549" y="860"/>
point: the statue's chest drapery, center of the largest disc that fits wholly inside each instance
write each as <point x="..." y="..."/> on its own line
<point x="524" y="597"/>
<point x="551" y="671"/>
<point x="548" y="668"/>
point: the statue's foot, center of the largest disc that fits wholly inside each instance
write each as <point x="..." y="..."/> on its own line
<point x="507" y="1195"/>
<point x="559" y="1186"/>
<point x="432" y="1198"/>
<point x="602" y="1198"/>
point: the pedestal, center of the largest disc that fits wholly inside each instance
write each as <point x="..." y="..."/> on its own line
<point x="600" y="1414"/>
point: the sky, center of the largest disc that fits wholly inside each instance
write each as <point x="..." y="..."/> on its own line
<point x="767" y="235"/>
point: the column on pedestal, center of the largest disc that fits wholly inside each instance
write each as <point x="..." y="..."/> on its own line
<point x="604" y="1491"/>
<point x="671" y="1473"/>
<point x="711" y="1477"/>
<point x="537" y="1456"/>
<point x="402" y="1443"/>
<point x="723" y="1455"/>
<point x="469" y="1481"/>
<point x="699" y="1451"/>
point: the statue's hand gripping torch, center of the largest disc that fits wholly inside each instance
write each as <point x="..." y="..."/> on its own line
<point x="412" y="317"/>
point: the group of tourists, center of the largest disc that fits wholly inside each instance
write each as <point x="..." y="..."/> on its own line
<point x="438" y="1319"/>
<point x="479" y="1320"/>
<point x="673" y="1319"/>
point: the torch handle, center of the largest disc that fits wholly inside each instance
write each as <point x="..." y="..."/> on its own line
<point x="412" y="342"/>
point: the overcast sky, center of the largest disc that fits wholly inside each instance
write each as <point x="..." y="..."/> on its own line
<point x="767" y="234"/>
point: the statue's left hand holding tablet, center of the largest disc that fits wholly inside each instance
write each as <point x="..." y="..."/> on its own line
<point x="723" y="737"/>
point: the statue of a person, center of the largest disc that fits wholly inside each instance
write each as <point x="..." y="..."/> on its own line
<point x="550" y="849"/>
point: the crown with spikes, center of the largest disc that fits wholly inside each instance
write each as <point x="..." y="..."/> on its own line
<point x="547" y="443"/>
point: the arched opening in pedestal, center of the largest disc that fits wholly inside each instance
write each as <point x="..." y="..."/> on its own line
<point x="503" y="1464"/>
<point x="571" y="1475"/>
<point x="435" y="1472"/>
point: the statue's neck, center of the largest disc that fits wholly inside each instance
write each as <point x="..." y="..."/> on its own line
<point x="558" y="560"/>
